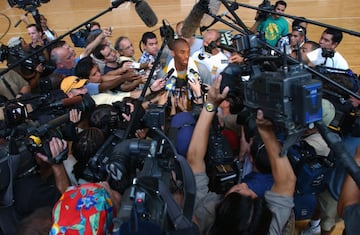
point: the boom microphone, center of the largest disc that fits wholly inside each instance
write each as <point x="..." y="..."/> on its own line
<point x="145" y="12"/>
<point x="214" y="6"/>
<point x="193" y="20"/>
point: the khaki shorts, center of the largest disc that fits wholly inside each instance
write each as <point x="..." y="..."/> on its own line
<point x="328" y="210"/>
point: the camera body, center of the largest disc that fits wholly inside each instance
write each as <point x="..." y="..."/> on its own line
<point x="291" y="99"/>
<point x="17" y="52"/>
<point x="265" y="5"/>
<point x="25" y="4"/>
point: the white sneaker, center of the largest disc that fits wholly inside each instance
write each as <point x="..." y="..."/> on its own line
<point x="311" y="230"/>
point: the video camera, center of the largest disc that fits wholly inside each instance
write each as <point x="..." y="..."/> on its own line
<point x="79" y="37"/>
<point x="25" y="4"/>
<point x="262" y="15"/>
<point x="289" y="96"/>
<point x="17" y="52"/>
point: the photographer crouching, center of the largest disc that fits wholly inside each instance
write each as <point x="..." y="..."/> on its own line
<point x="239" y="211"/>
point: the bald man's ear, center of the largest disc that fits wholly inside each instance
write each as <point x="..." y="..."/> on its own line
<point x="172" y="53"/>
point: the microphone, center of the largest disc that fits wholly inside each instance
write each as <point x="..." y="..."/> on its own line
<point x="145" y="12"/>
<point x="193" y="20"/>
<point x="168" y="74"/>
<point x="17" y="23"/>
<point x="66" y="102"/>
<point x="171" y="84"/>
<point x="214" y="6"/>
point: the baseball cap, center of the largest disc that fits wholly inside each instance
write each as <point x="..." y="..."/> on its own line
<point x="328" y="111"/>
<point x="72" y="82"/>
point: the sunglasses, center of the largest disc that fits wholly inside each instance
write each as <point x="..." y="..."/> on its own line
<point x="299" y="29"/>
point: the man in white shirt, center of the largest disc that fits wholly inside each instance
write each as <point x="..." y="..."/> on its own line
<point x="326" y="54"/>
<point x="210" y="55"/>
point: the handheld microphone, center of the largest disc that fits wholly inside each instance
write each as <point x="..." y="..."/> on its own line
<point x="145" y="12"/>
<point x="66" y="102"/>
<point x="168" y="74"/>
<point x="193" y="20"/>
<point x="171" y="84"/>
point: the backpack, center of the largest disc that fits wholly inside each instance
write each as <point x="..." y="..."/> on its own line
<point x="312" y="171"/>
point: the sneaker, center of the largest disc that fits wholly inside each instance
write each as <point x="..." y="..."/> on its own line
<point x="311" y="230"/>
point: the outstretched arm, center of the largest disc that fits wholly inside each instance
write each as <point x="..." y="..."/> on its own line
<point x="199" y="140"/>
<point x="284" y="177"/>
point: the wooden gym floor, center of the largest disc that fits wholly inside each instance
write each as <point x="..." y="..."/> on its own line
<point x="64" y="15"/>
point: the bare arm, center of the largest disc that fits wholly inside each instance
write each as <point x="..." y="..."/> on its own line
<point x="284" y="177"/>
<point x="57" y="146"/>
<point x="112" y="81"/>
<point x="92" y="45"/>
<point x="350" y="192"/>
<point x="199" y="140"/>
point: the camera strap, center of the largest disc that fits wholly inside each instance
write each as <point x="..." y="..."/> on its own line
<point x="177" y="217"/>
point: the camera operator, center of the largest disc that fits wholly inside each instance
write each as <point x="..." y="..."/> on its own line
<point x="324" y="218"/>
<point x="327" y="55"/>
<point x="48" y="33"/>
<point x="240" y="211"/>
<point x="36" y="189"/>
<point x="273" y="26"/>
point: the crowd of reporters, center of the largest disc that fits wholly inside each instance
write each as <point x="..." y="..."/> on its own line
<point x="62" y="144"/>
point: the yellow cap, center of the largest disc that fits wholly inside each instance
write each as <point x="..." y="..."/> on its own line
<point x="72" y="82"/>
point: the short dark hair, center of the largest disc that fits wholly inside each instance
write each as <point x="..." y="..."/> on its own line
<point x="84" y="67"/>
<point x="97" y="51"/>
<point x="93" y="23"/>
<point x="38" y="28"/>
<point x="336" y="34"/>
<point x="298" y="21"/>
<point x="239" y="214"/>
<point x="281" y="2"/>
<point x="146" y="36"/>
<point x="260" y="156"/>
<point x="84" y="147"/>
<point x="314" y="45"/>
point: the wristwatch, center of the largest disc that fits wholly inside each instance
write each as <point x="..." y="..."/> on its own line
<point x="209" y="107"/>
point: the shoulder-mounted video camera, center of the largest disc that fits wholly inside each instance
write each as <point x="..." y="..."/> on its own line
<point x="17" y="52"/>
<point x="262" y="15"/>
